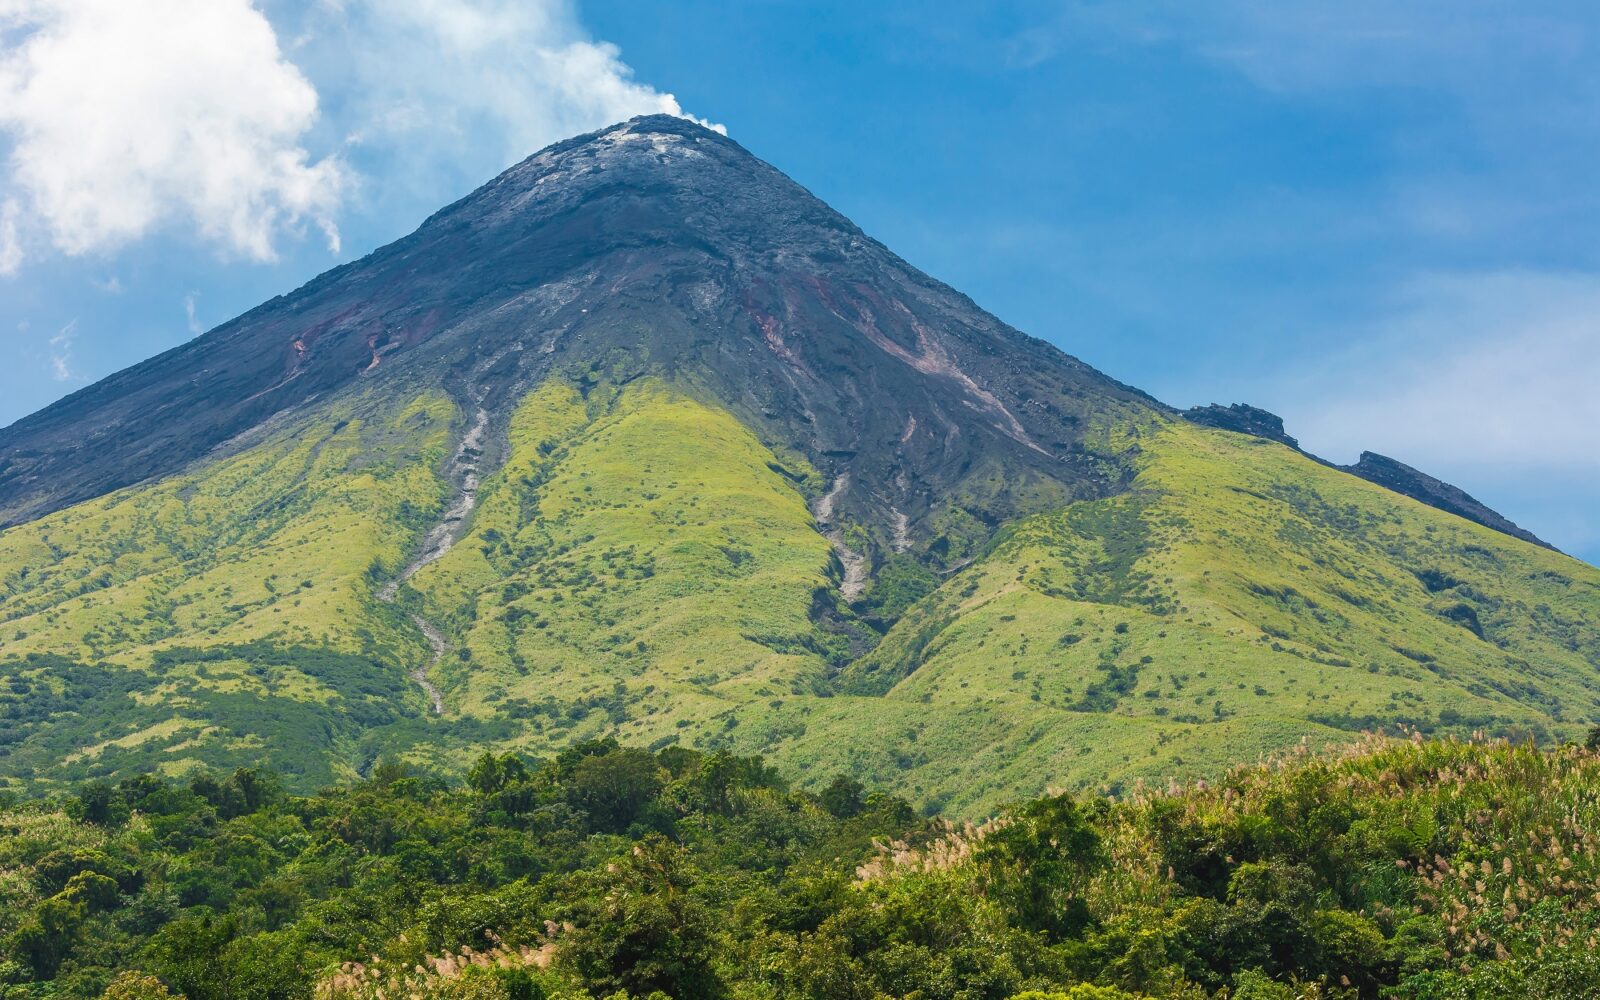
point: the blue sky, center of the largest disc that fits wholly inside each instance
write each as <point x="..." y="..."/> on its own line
<point x="1378" y="218"/>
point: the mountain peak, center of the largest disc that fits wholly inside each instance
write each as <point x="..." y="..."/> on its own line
<point x="654" y="246"/>
<point x="657" y="140"/>
<point x="659" y="178"/>
<point x="653" y="124"/>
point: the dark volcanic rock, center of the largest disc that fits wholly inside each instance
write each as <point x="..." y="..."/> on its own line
<point x="651" y="247"/>
<point x="1385" y="472"/>
<point x="1242" y="418"/>
<point x="1402" y="478"/>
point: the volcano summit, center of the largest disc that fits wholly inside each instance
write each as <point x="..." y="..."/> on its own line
<point x="642" y="439"/>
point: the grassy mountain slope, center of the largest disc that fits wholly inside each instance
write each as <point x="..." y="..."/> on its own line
<point x="223" y="614"/>
<point x="653" y="247"/>
<point x="728" y="443"/>
<point x="642" y="564"/>
<point x="640" y="560"/>
<point x="1238" y="598"/>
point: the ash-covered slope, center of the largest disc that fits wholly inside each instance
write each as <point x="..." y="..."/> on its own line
<point x="652" y="247"/>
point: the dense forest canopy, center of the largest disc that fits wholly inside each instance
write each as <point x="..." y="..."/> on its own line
<point x="1422" y="870"/>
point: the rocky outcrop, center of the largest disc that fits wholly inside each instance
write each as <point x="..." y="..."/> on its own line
<point x="1242" y="418"/>
<point x="1420" y="486"/>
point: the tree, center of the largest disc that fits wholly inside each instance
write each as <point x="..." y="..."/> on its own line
<point x="1038" y="865"/>
<point x="722" y="772"/>
<point x="491" y="774"/>
<point x="844" y="797"/>
<point x="1083" y="991"/>
<point x="615" y="789"/>
<point x="47" y="937"/>
<point x="98" y="803"/>
<point x="639" y="926"/>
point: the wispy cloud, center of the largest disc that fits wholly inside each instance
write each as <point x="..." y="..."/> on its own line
<point x="484" y="82"/>
<point x="1498" y="370"/>
<point x="189" y="314"/>
<point x="1494" y="102"/>
<point x="111" y="284"/>
<point x="1465" y="46"/>
<point x="10" y="242"/>
<point x="61" y="353"/>
<point x="1488" y="380"/>
<point x="1333" y="44"/>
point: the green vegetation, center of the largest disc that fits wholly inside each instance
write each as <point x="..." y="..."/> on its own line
<point x="1239" y="599"/>
<point x="640" y="565"/>
<point x="640" y="562"/>
<point x="178" y="711"/>
<point x="224" y="615"/>
<point x="1410" y="870"/>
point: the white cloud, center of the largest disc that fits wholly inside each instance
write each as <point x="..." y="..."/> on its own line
<point x="61" y="353"/>
<point x="1337" y="44"/>
<point x="467" y="87"/>
<point x="1469" y="45"/>
<point x="111" y="285"/>
<point x="188" y="312"/>
<point x="125" y="117"/>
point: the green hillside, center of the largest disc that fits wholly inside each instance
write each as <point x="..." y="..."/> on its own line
<point x="224" y="615"/>
<point x="640" y="561"/>
<point x="1239" y="598"/>
<point x="641" y="564"/>
<point x="642" y="440"/>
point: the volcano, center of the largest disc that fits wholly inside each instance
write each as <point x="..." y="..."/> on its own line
<point x="656" y="246"/>
<point x="643" y="440"/>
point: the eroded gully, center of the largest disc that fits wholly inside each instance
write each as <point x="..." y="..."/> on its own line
<point x="855" y="564"/>
<point x="464" y="474"/>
